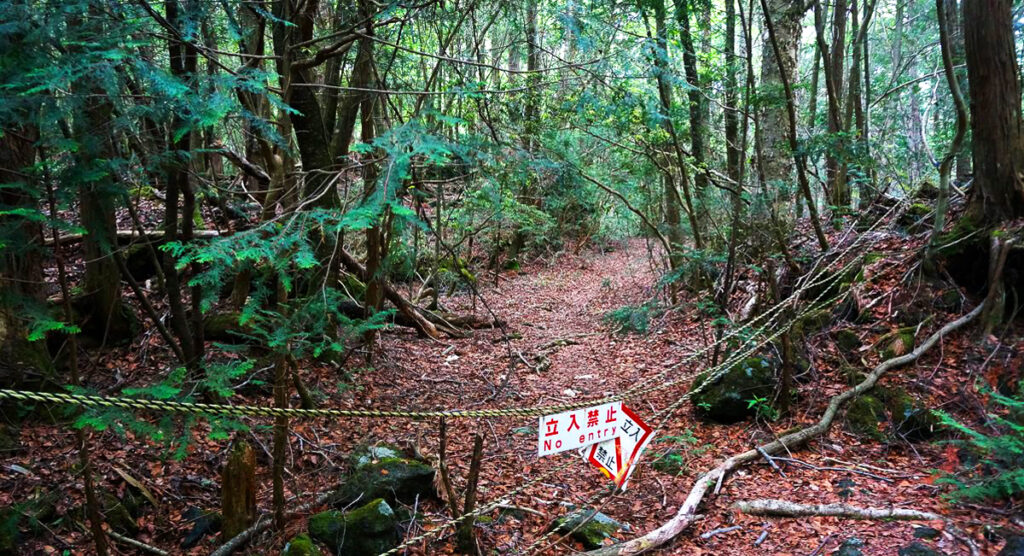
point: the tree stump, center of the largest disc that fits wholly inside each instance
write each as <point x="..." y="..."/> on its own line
<point x="238" y="489"/>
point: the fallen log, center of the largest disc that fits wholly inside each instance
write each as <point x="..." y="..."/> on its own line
<point x="391" y="294"/>
<point x="783" y="508"/>
<point x="128" y="236"/>
<point x="687" y="513"/>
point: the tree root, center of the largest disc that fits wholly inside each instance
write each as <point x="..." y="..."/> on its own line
<point x="687" y="513"/>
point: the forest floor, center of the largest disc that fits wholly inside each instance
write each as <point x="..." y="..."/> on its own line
<point x="555" y="307"/>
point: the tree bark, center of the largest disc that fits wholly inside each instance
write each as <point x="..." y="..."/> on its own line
<point x="778" y="170"/>
<point x="997" y="134"/>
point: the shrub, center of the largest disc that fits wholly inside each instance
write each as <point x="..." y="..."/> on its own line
<point x="997" y="473"/>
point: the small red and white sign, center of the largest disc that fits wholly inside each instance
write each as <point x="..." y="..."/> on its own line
<point x="617" y="457"/>
<point x="578" y="428"/>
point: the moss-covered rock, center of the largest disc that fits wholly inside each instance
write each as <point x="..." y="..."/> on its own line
<point x="1014" y="546"/>
<point x="368" y="530"/>
<point x="8" y="440"/>
<point x="592" y="533"/>
<point x="910" y="419"/>
<point x="900" y="343"/>
<point x="726" y="399"/>
<point x="810" y="324"/>
<point x="9" y="535"/>
<point x="915" y="219"/>
<point x="850" y="547"/>
<point x="919" y="549"/>
<point x="864" y="415"/>
<point x="848" y="342"/>
<point x="372" y="454"/>
<point x="301" y="545"/>
<point x="393" y="479"/>
<point x="117" y="514"/>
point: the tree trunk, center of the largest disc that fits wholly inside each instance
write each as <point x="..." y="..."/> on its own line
<point x="834" y="165"/>
<point x="694" y="95"/>
<point x="238" y="489"/>
<point x="998" y="140"/>
<point x="21" y="270"/>
<point x="778" y="167"/>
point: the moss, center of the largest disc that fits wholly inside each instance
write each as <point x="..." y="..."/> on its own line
<point x="811" y="323"/>
<point x="371" y="454"/>
<point x="864" y="415"/>
<point x="726" y="400"/>
<point x="301" y="545"/>
<point x="853" y="375"/>
<point x="847" y="341"/>
<point x="368" y="530"/>
<point x="910" y="419"/>
<point x="918" y="549"/>
<point x="901" y="343"/>
<point x="8" y="439"/>
<point x="9" y="535"/>
<point x="117" y="515"/>
<point x="593" y="533"/>
<point x="873" y="257"/>
<point x="393" y="479"/>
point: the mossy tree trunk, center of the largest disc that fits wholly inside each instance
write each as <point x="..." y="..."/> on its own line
<point x="238" y="489"/>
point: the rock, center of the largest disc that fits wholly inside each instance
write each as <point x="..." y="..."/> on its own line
<point x="909" y="418"/>
<point x="592" y="533"/>
<point x="301" y="545"/>
<point x="1014" y="546"/>
<point x="926" y="533"/>
<point x="901" y="344"/>
<point x="117" y="514"/>
<point x="848" y="342"/>
<point x="915" y="219"/>
<point x="948" y="299"/>
<point x="375" y="453"/>
<point x="8" y="439"/>
<point x="863" y="416"/>
<point x="850" y="547"/>
<point x="368" y="530"/>
<point x="393" y="479"/>
<point x="203" y="524"/>
<point x="726" y="400"/>
<point x="918" y="549"/>
<point x="9" y="535"/>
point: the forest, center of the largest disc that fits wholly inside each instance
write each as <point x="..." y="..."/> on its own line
<point x="314" y="277"/>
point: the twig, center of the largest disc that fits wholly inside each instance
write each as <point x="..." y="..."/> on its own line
<point x="137" y="544"/>
<point x="843" y="469"/>
<point x="822" y="545"/>
<point x="719" y="531"/>
<point x="771" y="460"/>
<point x="761" y="538"/>
<point x="521" y="509"/>
<point x="262" y="524"/>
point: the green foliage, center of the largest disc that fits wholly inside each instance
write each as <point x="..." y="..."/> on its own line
<point x="632" y="318"/>
<point x="996" y="472"/>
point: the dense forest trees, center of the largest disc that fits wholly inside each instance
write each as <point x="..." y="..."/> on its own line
<point x="297" y="175"/>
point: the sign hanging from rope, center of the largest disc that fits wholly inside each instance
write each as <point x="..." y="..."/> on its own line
<point x="609" y="436"/>
<point x="617" y="458"/>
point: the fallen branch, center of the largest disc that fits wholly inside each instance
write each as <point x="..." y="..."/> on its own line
<point x="687" y="512"/>
<point x="238" y="540"/>
<point x="783" y="508"/>
<point x="128" y="236"/>
<point x="137" y="544"/>
<point x="719" y="531"/>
